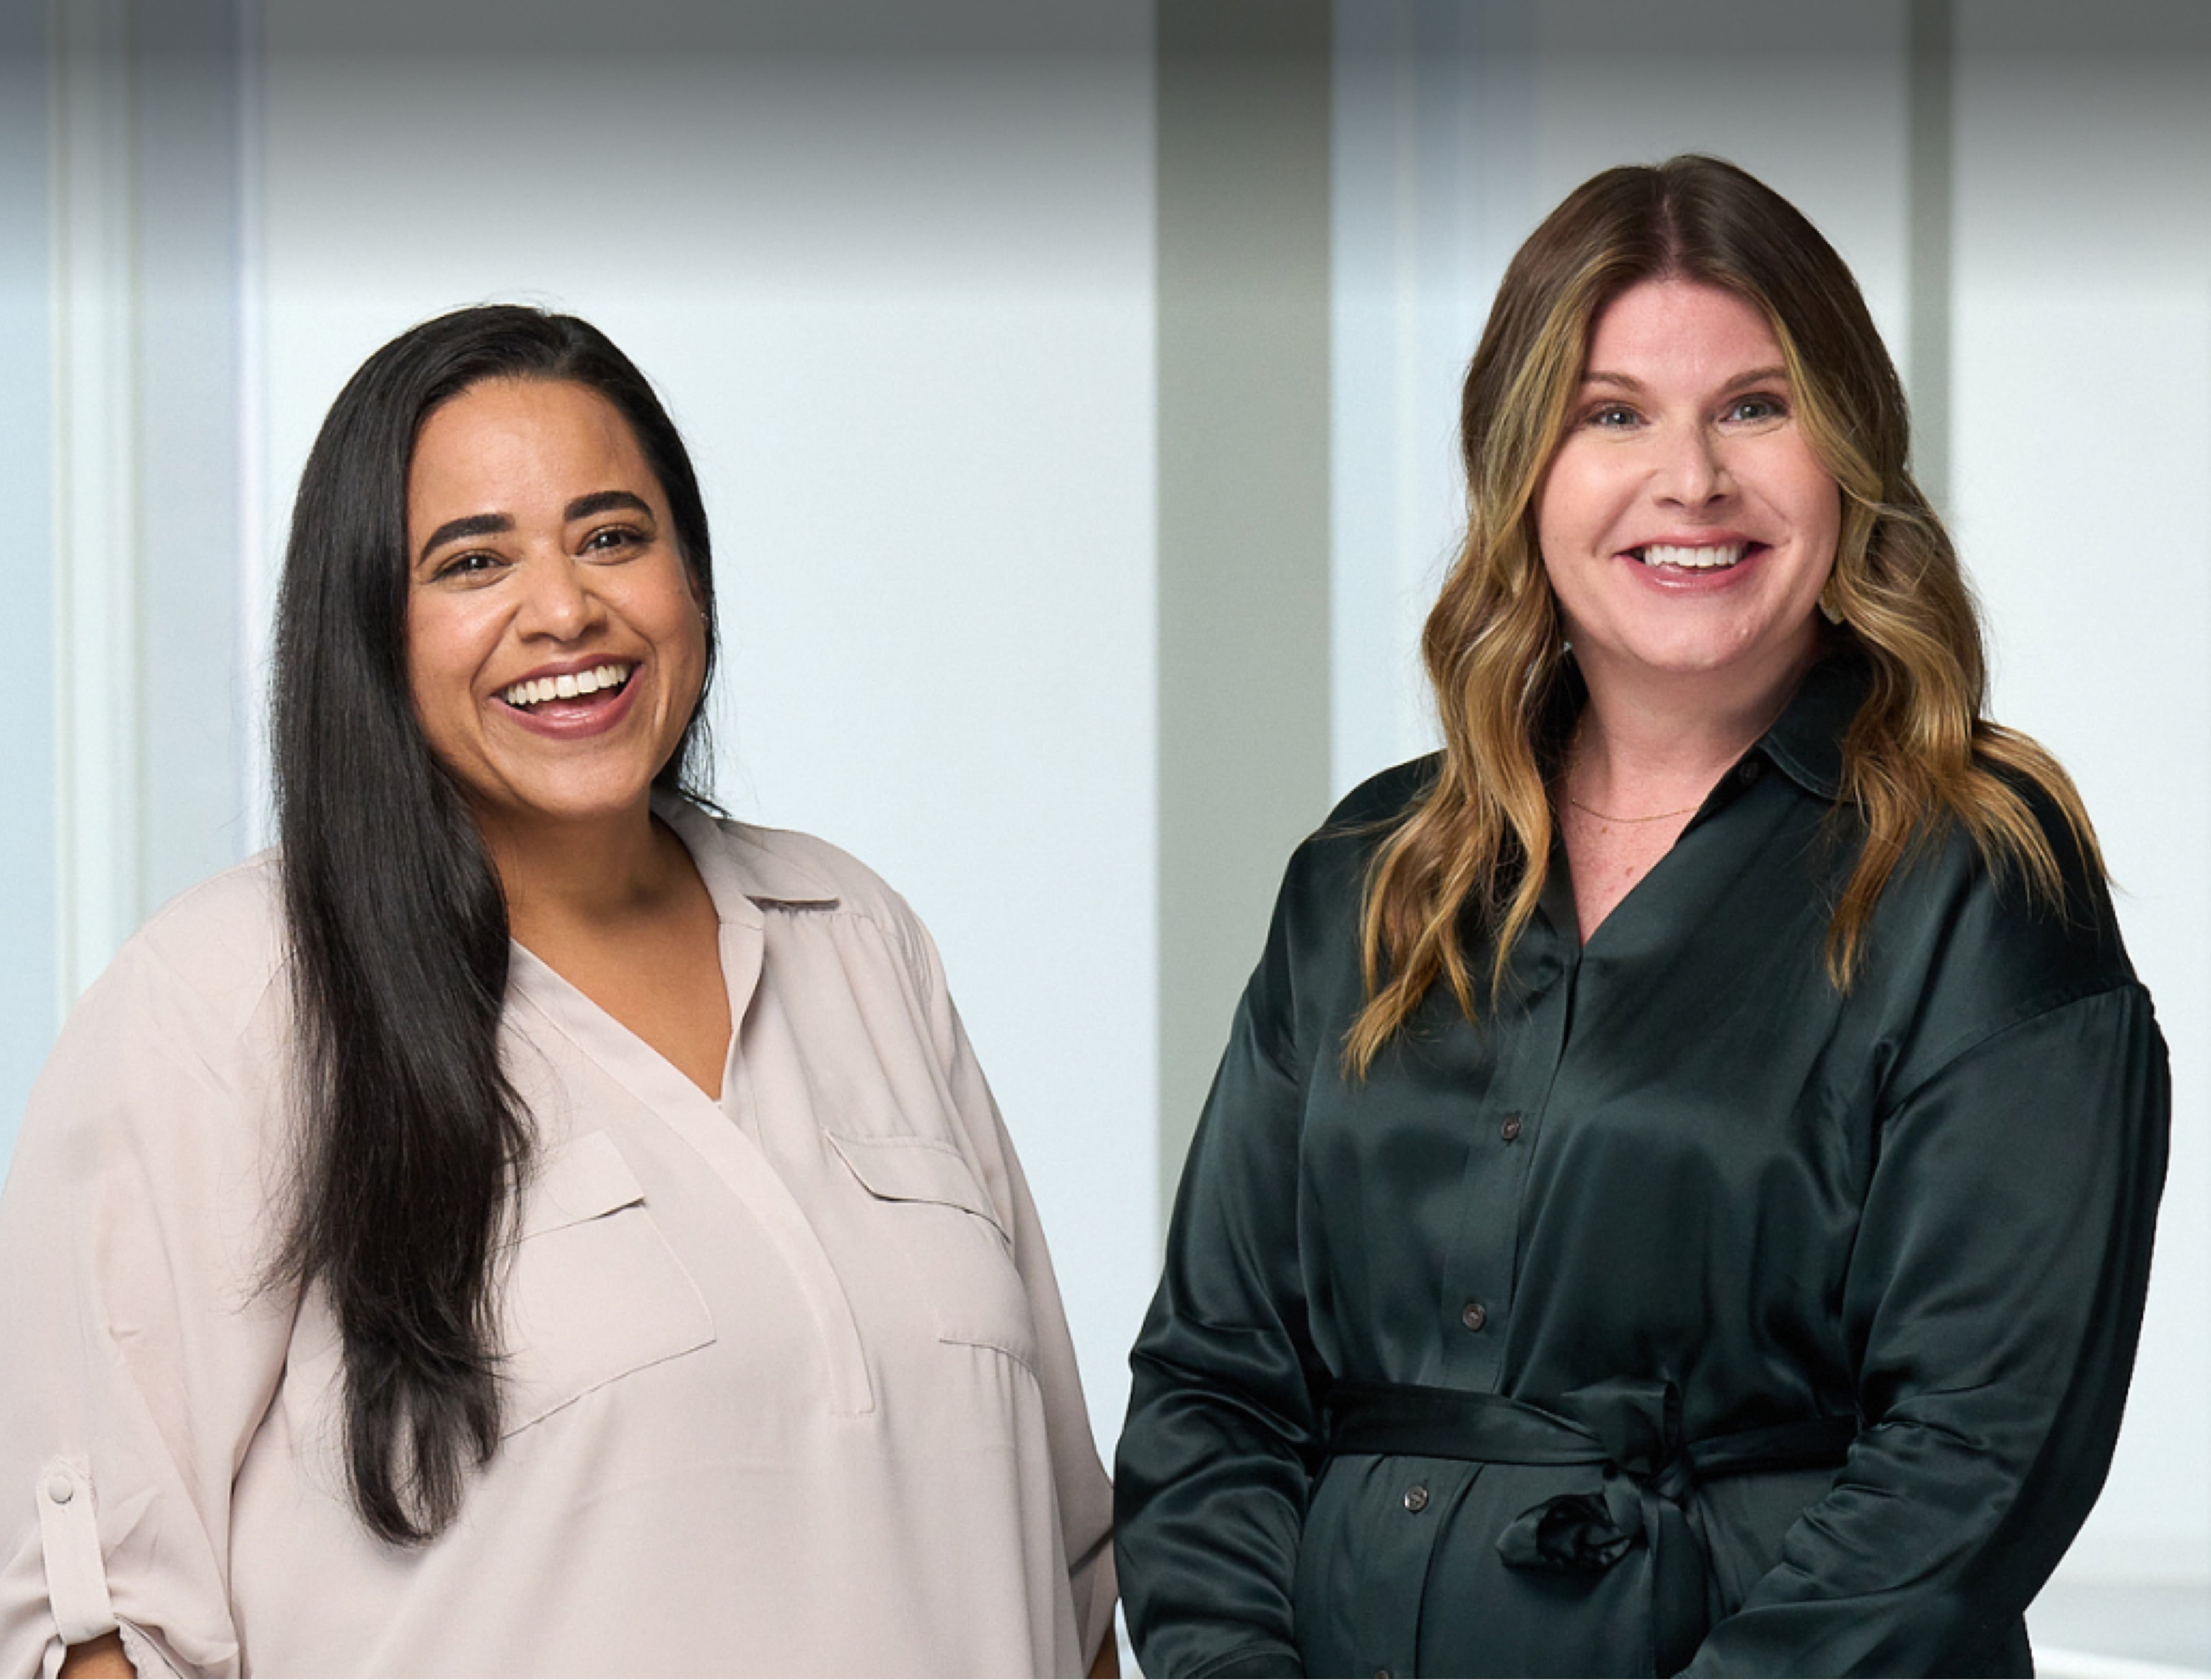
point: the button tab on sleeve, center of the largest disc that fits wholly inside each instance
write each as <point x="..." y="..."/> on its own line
<point x="77" y="1572"/>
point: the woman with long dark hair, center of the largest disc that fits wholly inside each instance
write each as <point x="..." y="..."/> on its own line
<point x="527" y="1223"/>
<point x="1679" y="1191"/>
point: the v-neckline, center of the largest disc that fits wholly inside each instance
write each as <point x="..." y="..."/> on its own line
<point x="1558" y="883"/>
<point x="648" y="1073"/>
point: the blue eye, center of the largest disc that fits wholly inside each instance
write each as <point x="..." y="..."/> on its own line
<point x="1611" y="416"/>
<point x="1764" y="406"/>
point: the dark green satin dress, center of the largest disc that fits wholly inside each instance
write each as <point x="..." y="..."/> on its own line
<point x="1673" y="1188"/>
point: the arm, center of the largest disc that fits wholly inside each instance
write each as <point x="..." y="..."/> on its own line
<point x="1995" y="1297"/>
<point x="1212" y="1473"/>
<point x="1085" y="1496"/>
<point x="101" y="1658"/>
<point x="140" y="1360"/>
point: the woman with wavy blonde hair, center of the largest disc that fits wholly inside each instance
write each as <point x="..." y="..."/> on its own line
<point x="1679" y="1191"/>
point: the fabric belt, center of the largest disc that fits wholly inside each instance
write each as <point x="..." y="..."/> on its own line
<point x="1632" y="1429"/>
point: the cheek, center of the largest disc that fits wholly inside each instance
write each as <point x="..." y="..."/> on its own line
<point x="1577" y="503"/>
<point x="440" y="667"/>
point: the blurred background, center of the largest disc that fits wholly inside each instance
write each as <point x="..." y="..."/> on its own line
<point x="1073" y="385"/>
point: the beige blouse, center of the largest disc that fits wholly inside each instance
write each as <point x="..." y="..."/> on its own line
<point x="791" y="1390"/>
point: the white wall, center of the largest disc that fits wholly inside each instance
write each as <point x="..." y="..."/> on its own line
<point x="891" y="266"/>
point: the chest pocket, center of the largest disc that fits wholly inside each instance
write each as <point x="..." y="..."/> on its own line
<point x="945" y="1227"/>
<point x="592" y="1291"/>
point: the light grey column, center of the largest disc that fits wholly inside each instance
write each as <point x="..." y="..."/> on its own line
<point x="1930" y="147"/>
<point x="145" y="134"/>
<point x="28" y="887"/>
<point x="193" y="704"/>
<point x="1242" y="129"/>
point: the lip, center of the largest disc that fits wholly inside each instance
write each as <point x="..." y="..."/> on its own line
<point x="569" y="668"/>
<point x="1707" y="537"/>
<point x="571" y="720"/>
<point x="1667" y="580"/>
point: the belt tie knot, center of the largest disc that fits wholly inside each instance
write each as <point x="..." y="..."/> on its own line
<point x="1636" y="1425"/>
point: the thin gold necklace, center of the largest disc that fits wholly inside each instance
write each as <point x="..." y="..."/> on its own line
<point x="1574" y="759"/>
<point x="1606" y="816"/>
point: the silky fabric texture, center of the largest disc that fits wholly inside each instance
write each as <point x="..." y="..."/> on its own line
<point x="1674" y="1164"/>
<point x="789" y="1388"/>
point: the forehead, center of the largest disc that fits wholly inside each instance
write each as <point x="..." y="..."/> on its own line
<point x="508" y="443"/>
<point x="1684" y="330"/>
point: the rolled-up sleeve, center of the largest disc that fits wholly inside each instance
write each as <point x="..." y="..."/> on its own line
<point x="140" y="1355"/>
<point x="1994" y="1298"/>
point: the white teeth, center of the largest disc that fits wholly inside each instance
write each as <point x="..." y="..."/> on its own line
<point x="568" y="686"/>
<point x="1692" y="559"/>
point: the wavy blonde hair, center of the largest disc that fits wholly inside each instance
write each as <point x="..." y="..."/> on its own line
<point x="1919" y="755"/>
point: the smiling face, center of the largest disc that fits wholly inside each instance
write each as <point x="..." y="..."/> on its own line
<point x="1685" y="525"/>
<point x="555" y="647"/>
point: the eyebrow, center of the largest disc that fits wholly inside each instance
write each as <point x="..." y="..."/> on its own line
<point x="605" y="501"/>
<point x="473" y="525"/>
<point x="491" y="524"/>
<point x="1755" y="376"/>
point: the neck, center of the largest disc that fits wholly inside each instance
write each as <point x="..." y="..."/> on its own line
<point x="596" y="872"/>
<point x="1650" y="742"/>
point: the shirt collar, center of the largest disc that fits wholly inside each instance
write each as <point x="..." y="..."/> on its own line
<point x="1806" y="741"/>
<point x="740" y="870"/>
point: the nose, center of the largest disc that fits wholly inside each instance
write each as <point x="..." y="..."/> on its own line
<point x="558" y="603"/>
<point x="1692" y="469"/>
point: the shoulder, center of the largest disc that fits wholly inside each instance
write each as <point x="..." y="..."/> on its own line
<point x="1377" y="803"/>
<point x="1329" y="868"/>
<point x="185" y="1030"/>
<point x="1310" y="965"/>
<point x="1973" y="945"/>
<point x="205" y="961"/>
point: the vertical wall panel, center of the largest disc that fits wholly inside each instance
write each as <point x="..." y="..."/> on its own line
<point x="1931" y="168"/>
<point x="1243" y="355"/>
<point x="28" y="983"/>
<point x="1434" y="158"/>
<point x="193" y="702"/>
<point x="95" y="466"/>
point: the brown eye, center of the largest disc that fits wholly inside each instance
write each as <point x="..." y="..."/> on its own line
<point x="472" y="563"/>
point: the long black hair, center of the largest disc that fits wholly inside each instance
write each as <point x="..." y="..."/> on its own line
<point x="412" y="1139"/>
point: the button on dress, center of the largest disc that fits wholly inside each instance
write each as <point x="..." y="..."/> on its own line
<point x="789" y="1389"/>
<point x="1785" y="1330"/>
